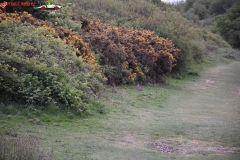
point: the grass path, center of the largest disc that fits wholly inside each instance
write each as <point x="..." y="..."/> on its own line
<point x="196" y="120"/>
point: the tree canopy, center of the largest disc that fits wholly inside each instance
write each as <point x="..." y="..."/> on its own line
<point x="229" y="26"/>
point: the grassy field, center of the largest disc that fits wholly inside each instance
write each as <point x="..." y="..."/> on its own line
<point x="183" y="119"/>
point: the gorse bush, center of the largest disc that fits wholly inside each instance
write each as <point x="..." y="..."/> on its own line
<point x="155" y="16"/>
<point x="65" y="34"/>
<point x="129" y="55"/>
<point x="175" y="27"/>
<point x="37" y="68"/>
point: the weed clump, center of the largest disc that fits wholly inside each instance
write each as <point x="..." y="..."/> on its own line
<point x="21" y="148"/>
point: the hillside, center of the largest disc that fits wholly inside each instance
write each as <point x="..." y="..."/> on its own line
<point x="57" y="70"/>
<point x="126" y="55"/>
<point x="220" y="17"/>
<point x="102" y="42"/>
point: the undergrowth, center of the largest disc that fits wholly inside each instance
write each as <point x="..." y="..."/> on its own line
<point x="42" y="70"/>
<point x="22" y="147"/>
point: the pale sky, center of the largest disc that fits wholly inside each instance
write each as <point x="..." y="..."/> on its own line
<point x="170" y="1"/>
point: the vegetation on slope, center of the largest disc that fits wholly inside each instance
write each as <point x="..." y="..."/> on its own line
<point x="164" y="20"/>
<point x="65" y="34"/>
<point x="125" y="55"/>
<point x="161" y="53"/>
<point x="128" y="55"/>
<point x="37" y="68"/>
<point x="219" y="16"/>
<point x="202" y="9"/>
<point x="229" y="26"/>
<point x="138" y="40"/>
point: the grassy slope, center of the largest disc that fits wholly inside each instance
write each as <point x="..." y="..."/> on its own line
<point x="197" y="120"/>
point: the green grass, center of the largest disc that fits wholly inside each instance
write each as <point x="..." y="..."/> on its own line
<point x="196" y="119"/>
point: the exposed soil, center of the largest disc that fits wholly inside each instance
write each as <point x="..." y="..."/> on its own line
<point x="189" y="147"/>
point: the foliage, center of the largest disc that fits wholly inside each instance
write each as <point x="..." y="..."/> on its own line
<point x="211" y="39"/>
<point x="40" y="69"/>
<point x="182" y="33"/>
<point x="61" y="17"/>
<point x="65" y="34"/>
<point x="118" y="13"/>
<point x="202" y="9"/>
<point x="204" y="14"/>
<point x="133" y="54"/>
<point x="229" y="26"/>
<point x="163" y="20"/>
<point x="150" y="15"/>
<point x="35" y="12"/>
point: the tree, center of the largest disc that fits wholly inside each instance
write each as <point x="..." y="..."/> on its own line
<point x="200" y="10"/>
<point x="229" y="26"/>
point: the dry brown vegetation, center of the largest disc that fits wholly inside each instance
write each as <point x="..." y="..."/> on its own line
<point x="65" y="34"/>
<point x="135" y="54"/>
<point x="138" y="53"/>
<point x="21" y="147"/>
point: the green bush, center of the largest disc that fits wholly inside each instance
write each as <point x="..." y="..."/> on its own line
<point x="180" y="31"/>
<point x="229" y="26"/>
<point x="212" y="39"/>
<point x="36" y="68"/>
<point x="204" y="7"/>
<point x="61" y="18"/>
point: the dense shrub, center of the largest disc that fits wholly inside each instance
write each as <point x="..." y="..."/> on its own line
<point x="61" y="18"/>
<point x="201" y="9"/>
<point x="229" y="26"/>
<point x="173" y="26"/>
<point x="65" y="34"/>
<point x="35" y="12"/>
<point x="37" y="68"/>
<point x="118" y="13"/>
<point x="205" y="12"/>
<point x="212" y="39"/>
<point x="127" y="55"/>
<point x="163" y="20"/>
